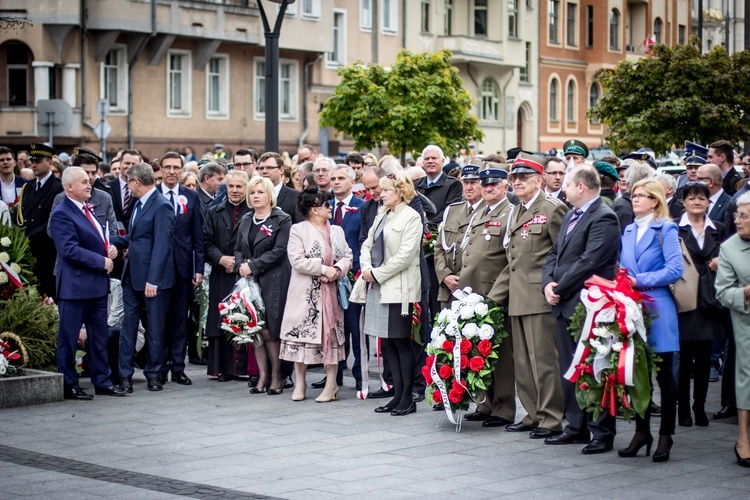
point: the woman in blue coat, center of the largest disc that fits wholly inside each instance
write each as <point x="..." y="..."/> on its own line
<point x="651" y="253"/>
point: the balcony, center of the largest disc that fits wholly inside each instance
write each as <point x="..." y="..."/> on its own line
<point x="467" y="49"/>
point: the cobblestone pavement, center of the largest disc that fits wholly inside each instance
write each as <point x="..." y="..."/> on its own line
<point x="215" y="440"/>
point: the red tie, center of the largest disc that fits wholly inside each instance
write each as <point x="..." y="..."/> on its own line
<point x="338" y="216"/>
<point x="87" y="209"/>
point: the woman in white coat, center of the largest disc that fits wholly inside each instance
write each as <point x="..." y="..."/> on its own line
<point x="390" y="265"/>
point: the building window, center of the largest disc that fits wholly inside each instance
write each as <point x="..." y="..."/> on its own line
<point x="17" y="74"/>
<point x="425" y="16"/>
<point x="311" y="9"/>
<point x="570" y="103"/>
<point x="614" y="29"/>
<point x="513" y="18"/>
<point x="490" y="101"/>
<point x="217" y="87"/>
<point x="681" y="34"/>
<point x="178" y="84"/>
<point x="593" y="97"/>
<point x="525" y="73"/>
<point x="114" y="81"/>
<point x="365" y="14"/>
<point x="554" y="16"/>
<point x="553" y="94"/>
<point x="389" y="15"/>
<point x="448" y="19"/>
<point x="657" y="30"/>
<point x="589" y="26"/>
<point x="338" y="56"/>
<point x="288" y="89"/>
<point x="480" y="17"/>
<point x="570" y="28"/>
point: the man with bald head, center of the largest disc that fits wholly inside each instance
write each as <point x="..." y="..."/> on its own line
<point x="711" y="176"/>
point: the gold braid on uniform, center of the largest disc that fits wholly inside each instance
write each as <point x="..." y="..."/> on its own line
<point x="19" y="208"/>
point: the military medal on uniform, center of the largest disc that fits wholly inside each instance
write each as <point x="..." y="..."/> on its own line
<point x="525" y="232"/>
<point x="486" y="233"/>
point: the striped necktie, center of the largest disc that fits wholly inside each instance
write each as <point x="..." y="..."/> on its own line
<point x="573" y="221"/>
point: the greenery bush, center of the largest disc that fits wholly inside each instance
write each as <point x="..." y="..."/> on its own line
<point x="36" y="323"/>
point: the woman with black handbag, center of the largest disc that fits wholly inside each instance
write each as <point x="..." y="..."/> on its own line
<point x="699" y="327"/>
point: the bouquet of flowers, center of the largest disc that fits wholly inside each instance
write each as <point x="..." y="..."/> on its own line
<point x="611" y="364"/>
<point x="242" y="313"/>
<point x="463" y="351"/>
<point x="6" y="356"/>
<point x="16" y="261"/>
<point x="428" y="243"/>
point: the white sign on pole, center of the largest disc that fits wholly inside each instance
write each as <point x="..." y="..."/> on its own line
<point x="102" y="129"/>
<point x="102" y="107"/>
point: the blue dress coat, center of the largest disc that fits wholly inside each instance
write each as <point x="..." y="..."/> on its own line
<point x="656" y="262"/>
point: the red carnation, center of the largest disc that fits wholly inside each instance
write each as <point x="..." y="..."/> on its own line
<point x="430" y="359"/>
<point x="427" y="375"/>
<point x="445" y="372"/>
<point x="428" y="235"/>
<point x="458" y="388"/>
<point x="455" y="397"/>
<point x="464" y="362"/>
<point x="437" y="397"/>
<point x="466" y="346"/>
<point x="476" y="363"/>
<point x="484" y="347"/>
<point x="236" y="329"/>
<point x="588" y="369"/>
<point x="584" y="386"/>
<point x="448" y="346"/>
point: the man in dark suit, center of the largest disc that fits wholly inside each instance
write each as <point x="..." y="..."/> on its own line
<point x="211" y="177"/>
<point x="710" y="175"/>
<point x="554" y="173"/>
<point x="122" y="198"/>
<point x="10" y="183"/>
<point x="271" y="166"/>
<point x="35" y="206"/>
<point x="674" y="203"/>
<point x="721" y="154"/>
<point x="82" y="270"/>
<point x="188" y="255"/>
<point x="148" y="276"/>
<point x="583" y="247"/>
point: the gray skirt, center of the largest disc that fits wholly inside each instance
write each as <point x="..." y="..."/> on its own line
<point x="385" y="320"/>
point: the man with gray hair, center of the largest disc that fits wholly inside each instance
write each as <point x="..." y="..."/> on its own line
<point x="674" y="203"/>
<point x="211" y="177"/>
<point x="623" y="206"/>
<point x="711" y="176"/>
<point x="322" y="170"/>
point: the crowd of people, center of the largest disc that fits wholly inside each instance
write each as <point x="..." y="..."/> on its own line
<point x="123" y="250"/>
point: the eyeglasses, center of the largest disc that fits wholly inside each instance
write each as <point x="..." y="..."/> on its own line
<point x="741" y="217"/>
<point x="519" y="177"/>
<point x="325" y="205"/>
<point x="321" y="170"/>
<point x="171" y="168"/>
<point x="639" y="195"/>
<point x="263" y="168"/>
<point x="129" y="181"/>
<point x="244" y="165"/>
<point x="745" y="164"/>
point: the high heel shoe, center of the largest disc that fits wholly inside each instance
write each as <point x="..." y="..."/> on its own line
<point x="664" y="455"/>
<point x="634" y="447"/>
<point x="258" y="390"/>
<point x="334" y="397"/>
<point x="274" y="392"/>
<point x="742" y="462"/>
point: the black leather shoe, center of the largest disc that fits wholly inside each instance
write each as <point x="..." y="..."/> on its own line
<point x="154" y="384"/>
<point x="519" y="427"/>
<point x="358" y="385"/>
<point x="320" y="383"/>
<point x="197" y="361"/>
<point x="110" y="391"/>
<point x="477" y="416"/>
<point x="655" y="409"/>
<point x="78" y="395"/>
<point x="224" y="377"/>
<point x="543" y="433"/>
<point x="181" y="378"/>
<point x="164" y="378"/>
<point x="685" y="421"/>
<point x="417" y="397"/>
<point x="567" y="439"/>
<point x="126" y="384"/>
<point x="384" y="409"/>
<point x="400" y="413"/>
<point x="728" y="411"/>
<point x="288" y="382"/>
<point x="701" y="419"/>
<point x="496" y="422"/>
<point x="380" y="394"/>
<point x="597" y="446"/>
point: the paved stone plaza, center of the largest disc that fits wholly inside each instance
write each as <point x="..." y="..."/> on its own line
<point x="215" y="440"/>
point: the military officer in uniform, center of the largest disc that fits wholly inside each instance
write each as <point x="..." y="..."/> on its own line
<point x="533" y="229"/>
<point x="452" y="229"/>
<point x="482" y="263"/>
<point x="575" y="150"/>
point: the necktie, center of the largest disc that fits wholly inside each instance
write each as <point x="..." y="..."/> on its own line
<point x="88" y="210"/>
<point x="136" y="209"/>
<point x="126" y="199"/>
<point x="573" y="221"/>
<point x="471" y="210"/>
<point x="38" y="185"/>
<point x="489" y="209"/>
<point x="338" y="216"/>
<point x="171" y="200"/>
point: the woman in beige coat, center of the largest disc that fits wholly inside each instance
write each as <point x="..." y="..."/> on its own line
<point x="312" y="331"/>
<point x="390" y="265"/>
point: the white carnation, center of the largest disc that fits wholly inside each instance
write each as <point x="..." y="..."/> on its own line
<point x="444" y="316"/>
<point x="617" y="346"/>
<point x="3" y="364"/>
<point x="455" y="305"/>
<point x="467" y="312"/>
<point x="470" y="330"/>
<point x="595" y="344"/>
<point x="481" y="309"/>
<point x="438" y="341"/>
<point x="4" y="256"/>
<point x="3" y="278"/>
<point x="602" y="349"/>
<point x="452" y="329"/>
<point x="16" y="268"/>
<point x="601" y="332"/>
<point x="5" y="241"/>
<point x="474" y="299"/>
<point x="436" y="330"/>
<point x="486" y="332"/>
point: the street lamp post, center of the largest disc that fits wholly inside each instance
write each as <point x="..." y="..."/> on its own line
<point x="272" y="71"/>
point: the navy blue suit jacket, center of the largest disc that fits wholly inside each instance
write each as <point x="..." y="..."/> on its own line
<point x="720" y="208"/>
<point x="351" y="223"/>
<point x="150" y="245"/>
<point x="79" y="270"/>
<point x="187" y="239"/>
<point x="116" y="193"/>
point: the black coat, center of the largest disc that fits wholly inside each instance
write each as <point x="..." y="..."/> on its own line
<point x="675" y="207"/>
<point x="219" y="238"/>
<point x="444" y="192"/>
<point x="730" y="181"/>
<point x="268" y="262"/>
<point x="623" y="208"/>
<point x="287" y="201"/>
<point x="703" y="323"/>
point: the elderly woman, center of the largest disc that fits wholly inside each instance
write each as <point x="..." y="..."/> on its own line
<point x="733" y="291"/>
<point x="312" y="332"/>
<point x="390" y="264"/>
<point x="700" y="327"/>
<point x="651" y="253"/>
<point x="260" y="252"/>
<point x="189" y="180"/>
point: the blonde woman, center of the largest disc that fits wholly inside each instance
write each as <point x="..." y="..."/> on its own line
<point x="390" y="265"/>
<point x="189" y="180"/>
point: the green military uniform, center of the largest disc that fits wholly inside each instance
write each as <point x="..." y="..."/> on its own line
<point x="447" y="246"/>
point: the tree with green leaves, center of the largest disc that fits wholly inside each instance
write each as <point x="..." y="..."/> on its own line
<point x="419" y="100"/>
<point x="676" y="94"/>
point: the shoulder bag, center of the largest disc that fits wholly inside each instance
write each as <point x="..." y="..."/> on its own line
<point x="343" y="285"/>
<point x="685" y="289"/>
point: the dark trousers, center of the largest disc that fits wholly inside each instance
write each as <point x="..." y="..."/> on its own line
<point x="695" y="359"/>
<point x="175" y="331"/>
<point x="134" y="303"/>
<point x="668" y="387"/>
<point x="402" y="367"/>
<point x="352" y="334"/>
<point x="728" y="394"/>
<point x="73" y="314"/>
<point x="579" y="422"/>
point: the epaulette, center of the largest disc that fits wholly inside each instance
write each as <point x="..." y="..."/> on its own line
<point x="553" y="199"/>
